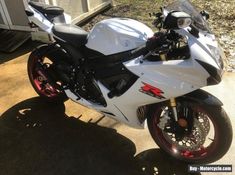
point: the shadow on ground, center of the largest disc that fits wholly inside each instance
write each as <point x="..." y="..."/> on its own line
<point x="39" y="139"/>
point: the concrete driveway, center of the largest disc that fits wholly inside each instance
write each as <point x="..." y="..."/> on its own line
<point x="41" y="139"/>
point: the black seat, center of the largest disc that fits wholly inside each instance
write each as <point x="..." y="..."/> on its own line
<point x="71" y="34"/>
<point x="47" y="9"/>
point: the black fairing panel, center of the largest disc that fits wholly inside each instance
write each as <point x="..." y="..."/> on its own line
<point x="215" y="75"/>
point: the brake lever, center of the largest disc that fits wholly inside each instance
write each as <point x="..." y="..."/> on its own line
<point x="156" y="51"/>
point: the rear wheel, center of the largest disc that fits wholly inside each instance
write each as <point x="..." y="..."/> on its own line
<point x="203" y="134"/>
<point x="43" y="76"/>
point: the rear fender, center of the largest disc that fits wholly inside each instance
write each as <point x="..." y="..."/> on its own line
<point x="45" y="49"/>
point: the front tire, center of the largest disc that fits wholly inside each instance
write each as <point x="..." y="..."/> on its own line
<point x="208" y="121"/>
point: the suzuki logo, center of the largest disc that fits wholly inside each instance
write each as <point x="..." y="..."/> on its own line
<point x="152" y="91"/>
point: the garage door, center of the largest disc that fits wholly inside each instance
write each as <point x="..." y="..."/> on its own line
<point x="13" y="15"/>
<point x="3" y="20"/>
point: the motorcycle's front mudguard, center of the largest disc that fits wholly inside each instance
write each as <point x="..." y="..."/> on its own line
<point x="202" y="97"/>
<point x="199" y="96"/>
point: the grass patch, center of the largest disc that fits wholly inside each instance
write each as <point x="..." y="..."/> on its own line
<point x="221" y="18"/>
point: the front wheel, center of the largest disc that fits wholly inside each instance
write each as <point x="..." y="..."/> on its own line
<point x="203" y="134"/>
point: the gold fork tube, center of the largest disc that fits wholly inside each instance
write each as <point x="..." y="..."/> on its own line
<point x="173" y="105"/>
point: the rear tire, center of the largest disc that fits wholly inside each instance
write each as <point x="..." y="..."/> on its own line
<point x="216" y="149"/>
<point x="53" y="93"/>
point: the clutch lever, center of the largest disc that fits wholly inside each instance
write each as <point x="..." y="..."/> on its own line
<point x="158" y="21"/>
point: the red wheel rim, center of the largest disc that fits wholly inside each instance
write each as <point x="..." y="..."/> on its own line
<point x="40" y="79"/>
<point x="173" y="148"/>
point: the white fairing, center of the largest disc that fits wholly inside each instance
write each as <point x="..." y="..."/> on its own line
<point x="42" y="22"/>
<point x="174" y="78"/>
<point x="118" y="35"/>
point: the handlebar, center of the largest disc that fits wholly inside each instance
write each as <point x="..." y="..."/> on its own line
<point x="160" y="43"/>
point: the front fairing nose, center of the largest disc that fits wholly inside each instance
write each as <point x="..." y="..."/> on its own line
<point x="205" y="50"/>
<point x="215" y="74"/>
<point x="217" y="54"/>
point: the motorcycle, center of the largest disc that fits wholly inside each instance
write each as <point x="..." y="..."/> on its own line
<point x="124" y="70"/>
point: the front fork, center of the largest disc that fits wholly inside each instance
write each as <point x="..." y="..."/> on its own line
<point x="181" y="122"/>
<point x="174" y="109"/>
<point x="172" y="100"/>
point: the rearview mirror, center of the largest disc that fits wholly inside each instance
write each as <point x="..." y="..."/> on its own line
<point x="205" y="14"/>
<point x="177" y="20"/>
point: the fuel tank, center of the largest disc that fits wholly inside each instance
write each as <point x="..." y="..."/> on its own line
<point x="117" y="35"/>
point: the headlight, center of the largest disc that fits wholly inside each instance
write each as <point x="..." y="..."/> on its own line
<point x="177" y="20"/>
<point x="184" y="22"/>
<point x="218" y="55"/>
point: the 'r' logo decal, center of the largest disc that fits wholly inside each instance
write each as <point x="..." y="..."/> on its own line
<point x="152" y="91"/>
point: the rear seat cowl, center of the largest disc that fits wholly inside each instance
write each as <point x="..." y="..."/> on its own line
<point x="47" y="9"/>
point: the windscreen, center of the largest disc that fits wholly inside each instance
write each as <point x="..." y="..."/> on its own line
<point x="187" y="7"/>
